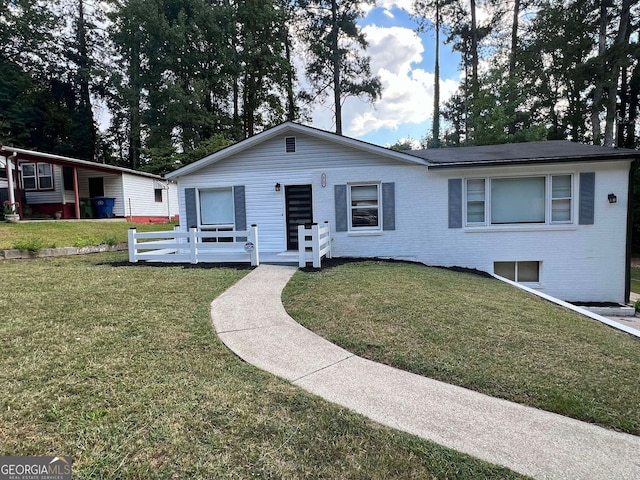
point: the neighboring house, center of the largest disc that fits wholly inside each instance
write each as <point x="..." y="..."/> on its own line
<point x="51" y="183"/>
<point x="552" y="215"/>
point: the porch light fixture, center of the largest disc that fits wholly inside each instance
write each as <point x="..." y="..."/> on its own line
<point x="277" y="187"/>
<point x="612" y="198"/>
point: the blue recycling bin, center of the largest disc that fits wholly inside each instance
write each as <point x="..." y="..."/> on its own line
<point x="103" y="206"/>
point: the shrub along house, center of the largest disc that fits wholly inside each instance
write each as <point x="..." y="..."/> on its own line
<point x="43" y="184"/>
<point x="552" y="215"/>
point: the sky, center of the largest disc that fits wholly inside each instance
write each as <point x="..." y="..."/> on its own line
<point x="404" y="61"/>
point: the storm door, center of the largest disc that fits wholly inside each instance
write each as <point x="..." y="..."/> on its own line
<point x="299" y="210"/>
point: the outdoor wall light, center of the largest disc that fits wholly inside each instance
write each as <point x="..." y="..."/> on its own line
<point x="277" y="187"/>
<point x="612" y="198"/>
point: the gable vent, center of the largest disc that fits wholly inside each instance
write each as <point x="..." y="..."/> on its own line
<point x="290" y="144"/>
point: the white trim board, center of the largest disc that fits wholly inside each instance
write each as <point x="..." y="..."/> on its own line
<point x="580" y="310"/>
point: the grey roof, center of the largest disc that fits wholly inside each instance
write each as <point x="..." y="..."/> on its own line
<point x="551" y="151"/>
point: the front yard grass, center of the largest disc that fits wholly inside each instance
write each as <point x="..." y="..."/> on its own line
<point x="70" y="234"/>
<point x="118" y="367"/>
<point x="635" y="279"/>
<point x="475" y="332"/>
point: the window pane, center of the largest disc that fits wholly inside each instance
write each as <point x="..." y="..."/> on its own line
<point x="475" y="212"/>
<point x="216" y="206"/>
<point x="364" y="195"/>
<point x="29" y="183"/>
<point x="561" y="210"/>
<point x="475" y="190"/>
<point x="28" y="170"/>
<point x="517" y="200"/>
<point x="505" y="269"/>
<point x="45" y="182"/>
<point x="44" y="169"/>
<point x="561" y="186"/>
<point x="364" y="217"/>
<point x="528" y="271"/>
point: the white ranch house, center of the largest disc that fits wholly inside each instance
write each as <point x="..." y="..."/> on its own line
<point x="551" y="215"/>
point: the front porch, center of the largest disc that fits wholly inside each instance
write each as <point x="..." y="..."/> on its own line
<point x="202" y="246"/>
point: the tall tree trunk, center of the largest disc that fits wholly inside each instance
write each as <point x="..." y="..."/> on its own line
<point x="474" y="51"/>
<point x="436" y="83"/>
<point x="135" y="141"/>
<point x="634" y="104"/>
<point x="512" y="59"/>
<point x="622" y="39"/>
<point x="335" y="60"/>
<point x="84" y="74"/>
<point x="514" y="37"/>
<point x="291" y="98"/>
<point x="599" y="88"/>
<point x="624" y="102"/>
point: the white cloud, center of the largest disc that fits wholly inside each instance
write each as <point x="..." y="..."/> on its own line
<point x="407" y="95"/>
<point x="406" y="5"/>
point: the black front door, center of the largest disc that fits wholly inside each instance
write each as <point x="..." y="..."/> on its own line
<point x="299" y="211"/>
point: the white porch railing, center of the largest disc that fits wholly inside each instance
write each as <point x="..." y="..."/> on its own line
<point x="313" y="244"/>
<point x="195" y="246"/>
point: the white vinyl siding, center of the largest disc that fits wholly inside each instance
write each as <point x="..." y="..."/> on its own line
<point x="364" y="205"/>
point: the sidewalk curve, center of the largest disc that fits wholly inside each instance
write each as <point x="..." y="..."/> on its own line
<point x="250" y="319"/>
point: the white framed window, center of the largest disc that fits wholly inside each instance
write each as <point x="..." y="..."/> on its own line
<point x="544" y="199"/>
<point x="364" y="206"/>
<point x="157" y="195"/>
<point x="29" y="179"/>
<point x="561" y="196"/>
<point x="521" y="272"/>
<point x="476" y="201"/>
<point x="37" y="176"/>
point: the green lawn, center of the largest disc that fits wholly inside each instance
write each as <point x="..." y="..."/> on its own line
<point x="69" y="234"/>
<point x="475" y="332"/>
<point x="118" y="366"/>
<point x="635" y="279"/>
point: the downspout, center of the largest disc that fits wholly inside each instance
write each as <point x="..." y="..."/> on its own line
<point x="630" y="199"/>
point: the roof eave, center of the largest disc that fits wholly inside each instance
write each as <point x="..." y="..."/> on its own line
<point x="531" y="161"/>
<point x="32" y="155"/>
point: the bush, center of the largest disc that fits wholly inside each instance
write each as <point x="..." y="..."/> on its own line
<point x="111" y="240"/>
<point x="33" y="244"/>
<point x="637" y="305"/>
<point x="85" y="242"/>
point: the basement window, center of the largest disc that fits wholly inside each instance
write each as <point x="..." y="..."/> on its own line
<point x="521" y="272"/>
<point x="290" y="144"/>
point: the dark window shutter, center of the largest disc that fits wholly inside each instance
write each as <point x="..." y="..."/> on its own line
<point x="191" y="207"/>
<point x="341" y="208"/>
<point x="455" y="203"/>
<point x="389" y="206"/>
<point x="240" y="207"/>
<point x="587" y="198"/>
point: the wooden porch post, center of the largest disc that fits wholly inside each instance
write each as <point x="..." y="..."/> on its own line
<point x="76" y="193"/>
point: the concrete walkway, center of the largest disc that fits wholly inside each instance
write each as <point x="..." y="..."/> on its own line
<point x="251" y="321"/>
